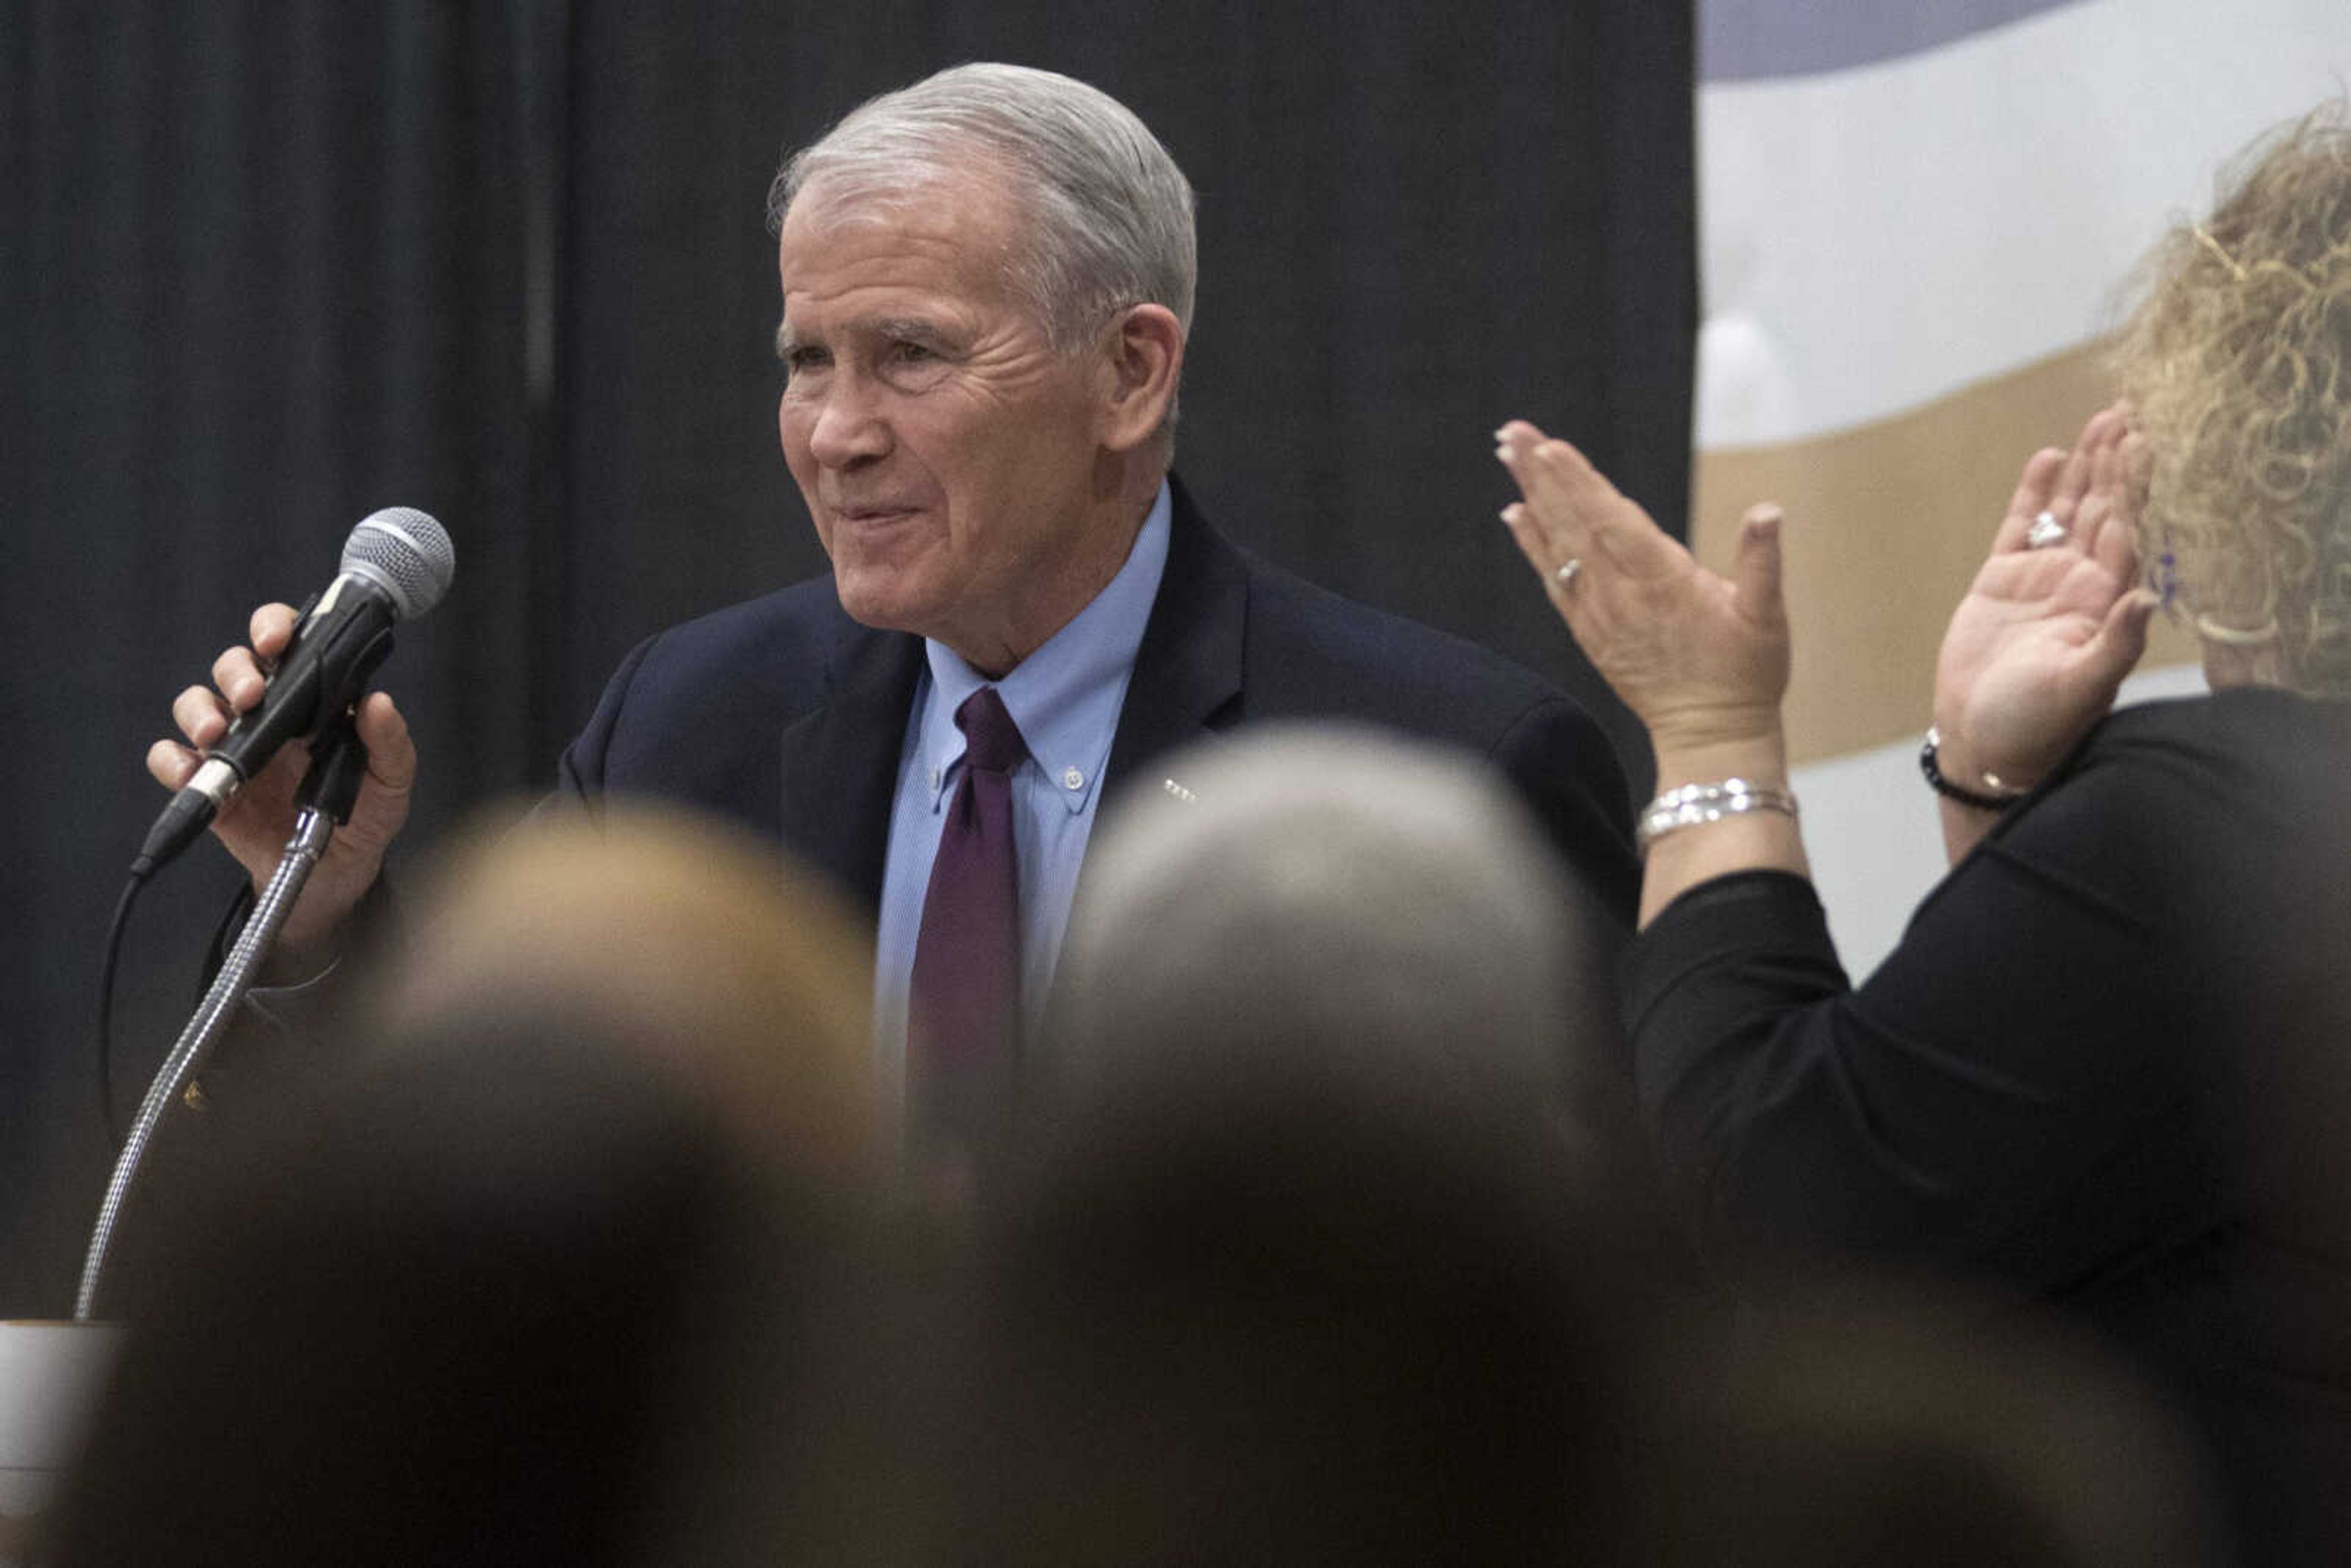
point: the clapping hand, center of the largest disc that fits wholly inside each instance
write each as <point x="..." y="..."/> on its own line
<point x="2053" y="621"/>
<point x="1700" y="659"/>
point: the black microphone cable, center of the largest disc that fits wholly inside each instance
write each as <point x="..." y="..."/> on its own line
<point x="106" y="1009"/>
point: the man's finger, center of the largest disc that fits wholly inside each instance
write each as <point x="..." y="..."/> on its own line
<point x="237" y="677"/>
<point x="169" y="763"/>
<point x="197" y="712"/>
<point x="383" y="730"/>
<point x="271" y="628"/>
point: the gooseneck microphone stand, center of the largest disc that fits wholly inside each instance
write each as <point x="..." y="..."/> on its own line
<point x="337" y="764"/>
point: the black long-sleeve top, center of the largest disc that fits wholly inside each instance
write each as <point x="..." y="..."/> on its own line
<point x="2108" y="1066"/>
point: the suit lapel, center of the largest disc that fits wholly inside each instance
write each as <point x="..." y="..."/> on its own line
<point x="1187" y="672"/>
<point x="840" y="761"/>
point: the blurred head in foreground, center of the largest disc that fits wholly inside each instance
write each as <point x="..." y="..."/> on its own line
<point x="503" y="1301"/>
<point x="2238" y="361"/>
<point x="1329" y="901"/>
<point x="1858" y="1424"/>
<point x="1304" y="1263"/>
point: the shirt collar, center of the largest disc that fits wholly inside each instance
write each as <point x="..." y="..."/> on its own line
<point x="1067" y="694"/>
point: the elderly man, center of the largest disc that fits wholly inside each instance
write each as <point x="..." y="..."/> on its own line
<point x="987" y="282"/>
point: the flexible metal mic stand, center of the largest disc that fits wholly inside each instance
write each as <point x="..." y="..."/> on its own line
<point x="337" y="763"/>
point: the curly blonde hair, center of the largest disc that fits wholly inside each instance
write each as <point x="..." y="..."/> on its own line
<point x="2237" y="359"/>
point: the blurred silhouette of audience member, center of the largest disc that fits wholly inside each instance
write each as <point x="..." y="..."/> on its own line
<point x="1853" y="1425"/>
<point x="2109" y="1064"/>
<point x="537" y="1280"/>
<point x="1304" y="1261"/>
<point x="1323" y="899"/>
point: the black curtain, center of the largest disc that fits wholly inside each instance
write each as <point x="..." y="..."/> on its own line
<point x="274" y="266"/>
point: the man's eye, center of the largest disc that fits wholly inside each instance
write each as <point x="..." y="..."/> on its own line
<point x="906" y="353"/>
<point x="803" y="359"/>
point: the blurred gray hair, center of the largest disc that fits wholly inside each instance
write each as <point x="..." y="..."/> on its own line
<point x="1109" y="214"/>
<point x="1344" y="900"/>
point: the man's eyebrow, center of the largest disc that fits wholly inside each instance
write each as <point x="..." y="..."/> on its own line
<point x="921" y="328"/>
<point x="916" y="329"/>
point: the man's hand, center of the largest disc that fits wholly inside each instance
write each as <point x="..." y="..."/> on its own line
<point x="258" y="823"/>
<point x="2045" y="636"/>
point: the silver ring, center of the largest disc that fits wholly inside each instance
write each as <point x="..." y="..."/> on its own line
<point x="2046" y="530"/>
<point x="1567" y="570"/>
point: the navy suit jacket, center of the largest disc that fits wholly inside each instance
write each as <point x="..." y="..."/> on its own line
<point x="785" y="715"/>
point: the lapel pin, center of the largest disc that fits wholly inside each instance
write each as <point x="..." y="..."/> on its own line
<point x="1179" y="791"/>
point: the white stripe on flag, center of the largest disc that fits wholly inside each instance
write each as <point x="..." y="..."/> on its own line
<point x="1875" y="238"/>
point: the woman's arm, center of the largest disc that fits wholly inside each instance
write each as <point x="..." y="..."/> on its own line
<point x="1976" y="1077"/>
<point x="1701" y="660"/>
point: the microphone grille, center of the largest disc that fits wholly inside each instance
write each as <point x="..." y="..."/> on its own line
<point x="404" y="552"/>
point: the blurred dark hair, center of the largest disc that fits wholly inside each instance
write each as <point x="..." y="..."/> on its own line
<point x="544" y="1259"/>
<point x="1852" y="1422"/>
<point x="1305" y="1321"/>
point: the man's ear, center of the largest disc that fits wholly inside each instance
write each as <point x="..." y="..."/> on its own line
<point x="1144" y="358"/>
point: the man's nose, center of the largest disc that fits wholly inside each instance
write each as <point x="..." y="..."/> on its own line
<point x="849" y="428"/>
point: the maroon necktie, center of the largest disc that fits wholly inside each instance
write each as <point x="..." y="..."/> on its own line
<point x="964" y="1013"/>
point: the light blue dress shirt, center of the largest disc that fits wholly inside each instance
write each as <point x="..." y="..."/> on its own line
<point x="1066" y="699"/>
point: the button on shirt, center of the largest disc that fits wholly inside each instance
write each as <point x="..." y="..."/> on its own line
<point x="1066" y="699"/>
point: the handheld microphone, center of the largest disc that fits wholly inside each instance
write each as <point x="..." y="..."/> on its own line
<point x="396" y="566"/>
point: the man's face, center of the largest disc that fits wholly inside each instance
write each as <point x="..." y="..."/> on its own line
<point x="948" y="452"/>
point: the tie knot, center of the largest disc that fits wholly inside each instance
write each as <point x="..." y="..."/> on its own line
<point x="992" y="742"/>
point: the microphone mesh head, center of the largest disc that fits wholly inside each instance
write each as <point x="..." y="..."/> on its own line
<point x="405" y="553"/>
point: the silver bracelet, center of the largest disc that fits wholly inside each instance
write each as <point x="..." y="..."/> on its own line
<point x="1695" y="803"/>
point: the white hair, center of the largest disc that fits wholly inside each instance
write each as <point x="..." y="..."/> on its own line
<point x="1109" y="215"/>
<point x="1338" y="890"/>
